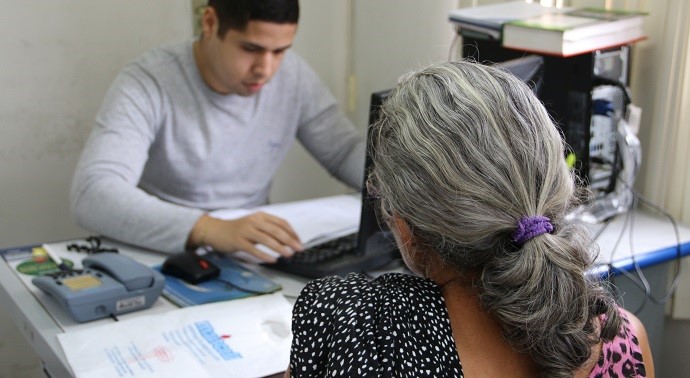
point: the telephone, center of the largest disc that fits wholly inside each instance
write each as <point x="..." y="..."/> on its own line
<point x="109" y="284"/>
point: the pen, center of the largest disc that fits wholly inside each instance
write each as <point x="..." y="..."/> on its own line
<point x="56" y="259"/>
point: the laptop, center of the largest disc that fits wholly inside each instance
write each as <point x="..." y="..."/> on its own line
<point x="370" y="248"/>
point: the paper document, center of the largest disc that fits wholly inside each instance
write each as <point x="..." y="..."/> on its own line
<point x="248" y="337"/>
<point x="315" y="221"/>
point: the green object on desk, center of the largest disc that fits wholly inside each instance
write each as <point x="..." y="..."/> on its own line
<point x="38" y="267"/>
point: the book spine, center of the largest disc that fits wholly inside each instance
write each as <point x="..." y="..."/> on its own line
<point x="552" y="43"/>
<point x="602" y="28"/>
<point x="541" y="40"/>
<point x="603" y="42"/>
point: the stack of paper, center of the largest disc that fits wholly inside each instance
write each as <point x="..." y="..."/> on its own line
<point x="315" y="221"/>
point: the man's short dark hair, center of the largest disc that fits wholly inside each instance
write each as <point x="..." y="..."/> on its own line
<point x="235" y="14"/>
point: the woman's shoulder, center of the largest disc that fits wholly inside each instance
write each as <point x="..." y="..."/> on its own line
<point x="355" y="285"/>
<point x="373" y="325"/>
<point x="628" y="354"/>
<point x="389" y="296"/>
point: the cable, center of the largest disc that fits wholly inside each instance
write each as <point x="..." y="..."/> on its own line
<point x="639" y="279"/>
<point x="627" y="97"/>
<point x="94" y="246"/>
<point x="643" y="284"/>
<point x="674" y="284"/>
<point x="601" y="229"/>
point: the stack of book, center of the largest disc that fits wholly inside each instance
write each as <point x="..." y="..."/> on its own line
<point x="487" y="21"/>
<point x="551" y="31"/>
<point x="574" y="32"/>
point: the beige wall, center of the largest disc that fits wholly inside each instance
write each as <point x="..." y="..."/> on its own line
<point x="58" y="58"/>
<point x="661" y="86"/>
<point x="322" y="39"/>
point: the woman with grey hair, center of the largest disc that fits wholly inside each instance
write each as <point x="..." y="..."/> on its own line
<point x="470" y="174"/>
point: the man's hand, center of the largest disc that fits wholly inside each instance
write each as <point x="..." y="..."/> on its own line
<point x="245" y="233"/>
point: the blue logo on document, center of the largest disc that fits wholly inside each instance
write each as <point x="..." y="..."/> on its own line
<point x="216" y="341"/>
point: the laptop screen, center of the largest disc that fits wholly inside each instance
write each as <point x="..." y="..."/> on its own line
<point x="374" y="235"/>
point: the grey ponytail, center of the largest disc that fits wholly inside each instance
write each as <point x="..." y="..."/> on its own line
<point x="462" y="152"/>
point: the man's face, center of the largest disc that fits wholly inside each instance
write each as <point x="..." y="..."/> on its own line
<point x="242" y="61"/>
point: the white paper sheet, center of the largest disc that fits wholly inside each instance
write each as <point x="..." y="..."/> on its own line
<point x="315" y="221"/>
<point x="241" y="338"/>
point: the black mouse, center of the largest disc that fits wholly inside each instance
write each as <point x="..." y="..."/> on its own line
<point x="190" y="267"/>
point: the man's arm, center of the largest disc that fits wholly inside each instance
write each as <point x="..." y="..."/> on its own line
<point x="105" y="197"/>
<point x="326" y="133"/>
<point x="337" y="145"/>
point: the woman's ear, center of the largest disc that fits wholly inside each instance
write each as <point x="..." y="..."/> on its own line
<point x="422" y="262"/>
<point x="401" y="230"/>
<point x="405" y="241"/>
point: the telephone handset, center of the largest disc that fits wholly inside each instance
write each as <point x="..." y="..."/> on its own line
<point x="109" y="284"/>
<point x="130" y="273"/>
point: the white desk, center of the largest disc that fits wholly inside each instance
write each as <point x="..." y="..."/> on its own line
<point x="653" y="245"/>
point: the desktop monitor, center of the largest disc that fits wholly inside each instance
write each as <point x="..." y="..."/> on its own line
<point x="529" y="69"/>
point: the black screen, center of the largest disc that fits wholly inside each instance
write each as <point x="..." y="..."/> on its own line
<point x="374" y="235"/>
<point x="529" y="69"/>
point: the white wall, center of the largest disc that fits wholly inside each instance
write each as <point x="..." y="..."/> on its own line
<point x="322" y="40"/>
<point x="394" y="36"/>
<point x="58" y="58"/>
<point x="371" y="42"/>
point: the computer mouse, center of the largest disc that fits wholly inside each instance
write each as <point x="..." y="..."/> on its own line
<point x="190" y="267"/>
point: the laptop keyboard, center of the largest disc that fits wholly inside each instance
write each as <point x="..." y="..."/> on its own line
<point x="339" y="256"/>
<point x="323" y="252"/>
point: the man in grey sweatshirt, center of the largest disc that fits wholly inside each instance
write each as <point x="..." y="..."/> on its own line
<point x="191" y="127"/>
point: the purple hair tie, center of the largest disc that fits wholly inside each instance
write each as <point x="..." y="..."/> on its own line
<point x="529" y="227"/>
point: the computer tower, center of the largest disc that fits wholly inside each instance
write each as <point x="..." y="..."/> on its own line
<point x="566" y="91"/>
